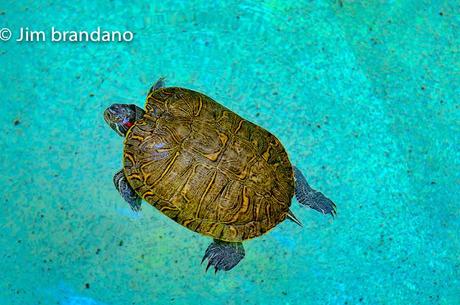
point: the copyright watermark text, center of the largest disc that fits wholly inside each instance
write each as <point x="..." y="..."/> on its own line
<point x="24" y="34"/>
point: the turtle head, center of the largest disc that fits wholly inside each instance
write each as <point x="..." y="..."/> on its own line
<point x="121" y="117"/>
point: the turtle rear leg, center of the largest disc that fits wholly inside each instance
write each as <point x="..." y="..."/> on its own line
<point x="126" y="191"/>
<point x="223" y="255"/>
<point x="159" y="84"/>
<point x="307" y="196"/>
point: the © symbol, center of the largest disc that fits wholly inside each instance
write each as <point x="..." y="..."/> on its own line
<point x="5" y="34"/>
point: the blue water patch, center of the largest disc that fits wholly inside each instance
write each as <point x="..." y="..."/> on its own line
<point x="129" y="213"/>
<point x="65" y="295"/>
<point x="285" y="240"/>
<point x="77" y="300"/>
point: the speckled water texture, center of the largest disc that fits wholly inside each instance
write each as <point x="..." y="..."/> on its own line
<point x="363" y="94"/>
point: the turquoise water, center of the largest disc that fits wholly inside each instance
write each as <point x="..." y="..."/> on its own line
<point x="363" y="94"/>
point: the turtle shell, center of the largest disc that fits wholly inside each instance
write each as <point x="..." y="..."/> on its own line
<point x="206" y="168"/>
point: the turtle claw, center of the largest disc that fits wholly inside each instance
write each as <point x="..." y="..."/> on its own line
<point x="307" y="196"/>
<point x="223" y="255"/>
<point x="323" y="204"/>
<point x="126" y="191"/>
<point x="136" y="205"/>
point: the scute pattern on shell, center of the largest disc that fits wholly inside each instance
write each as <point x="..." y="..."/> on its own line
<point x="207" y="168"/>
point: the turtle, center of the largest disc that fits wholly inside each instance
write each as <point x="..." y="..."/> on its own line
<point x="208" y="169"/>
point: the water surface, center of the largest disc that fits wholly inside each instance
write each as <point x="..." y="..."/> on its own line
<point x="365" y="98"/>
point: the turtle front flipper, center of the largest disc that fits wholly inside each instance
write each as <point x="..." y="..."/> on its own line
<point x="126" y="191"/>
<point x="159" y="84"/>
<point x="309" y="197"/>
<point x="223" y="255"/>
